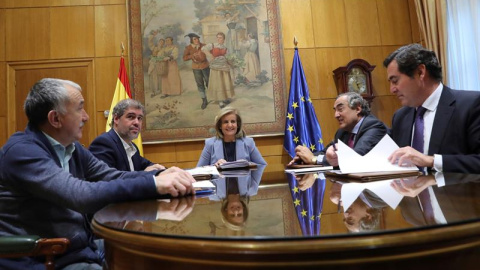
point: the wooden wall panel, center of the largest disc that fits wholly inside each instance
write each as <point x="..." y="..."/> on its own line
<point x="23" y="76"/>
<point x="307" y="57"/>
<point x="110" y="30"/>
<point x="270" y="146"/>
<point x="3" y="88"/>
<point x="392" y="14"/>
<point x="189" y="151"/>
<point x="109" y="2"/>
<point x="328" y="59"/>
<point x="72" y="32"/>
<point x="362" y="22"/>
<point x="160" y="153"/>
<point x="383" y="108"/>
<point x="46" y="3"/>
<point x="329" y="23"/>
<point x="28" y="34"/>
<point x="3" y="130"/>
<point x="106" y="75"/>
<point x="296" y="17"/>
<point x="416" y="34"/>
<point x="2" y="35"/>
<point x="100" y="122"/>
<point x="374" y="56"/>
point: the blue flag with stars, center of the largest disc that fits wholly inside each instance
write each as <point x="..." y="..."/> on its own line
<point x="301" y="125"/>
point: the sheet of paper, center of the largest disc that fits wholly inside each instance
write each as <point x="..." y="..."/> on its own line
<point x="376" y="160"/>
<point x="203" y="184"/>
<point x="204" y="170"/>
<point x="383" y="189"/>
<point x="310" y="169"/>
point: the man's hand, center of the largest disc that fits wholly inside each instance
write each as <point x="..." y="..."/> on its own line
<point x="412" y="186"/>
<point x="302" y="154"/>
<point x="331" y="155"/>
<point x="175" y="209"/>
<point x="174" y="181"/>
<point x="407" y="156"/>
<point x="154" y="167"/>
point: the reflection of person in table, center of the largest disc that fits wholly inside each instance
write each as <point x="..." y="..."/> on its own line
<point x="365" y="212"/>
<point x="235" y="193"/>
<point x="220" y="84"/>
<point x="171" y="83"/>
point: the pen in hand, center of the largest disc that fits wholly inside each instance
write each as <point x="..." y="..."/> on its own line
<point x="333" y="144"/>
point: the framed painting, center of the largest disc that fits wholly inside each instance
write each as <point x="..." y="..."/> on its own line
<point x="190" y="58"/>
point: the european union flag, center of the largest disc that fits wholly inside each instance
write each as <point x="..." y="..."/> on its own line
<point x="308" y="203"/>
<point x="301" y="125"/>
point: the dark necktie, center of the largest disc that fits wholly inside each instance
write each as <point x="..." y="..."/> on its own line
<point x="417" y="141"/>
<point x="351" y="140"/>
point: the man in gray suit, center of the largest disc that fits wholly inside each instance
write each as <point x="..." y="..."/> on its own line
<point x="358" y="129"/>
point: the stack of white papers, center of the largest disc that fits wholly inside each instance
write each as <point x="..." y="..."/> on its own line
<point x="205" y="170"/>
<point x="376" y="160"/>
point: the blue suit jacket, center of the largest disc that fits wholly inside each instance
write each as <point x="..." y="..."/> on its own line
<point x="37" y="196"/>
<point x="455" y="132"/>
<point x="245" y="149"/>
<point x="108" y="147"/>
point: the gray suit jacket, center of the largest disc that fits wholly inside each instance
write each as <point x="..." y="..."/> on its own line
<point x="245" y="149"/>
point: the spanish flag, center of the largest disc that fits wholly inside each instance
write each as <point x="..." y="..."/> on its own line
<point x="122" y="91"/>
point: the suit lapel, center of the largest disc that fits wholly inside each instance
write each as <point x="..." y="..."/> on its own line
<point x="120" y="149"/>
<point x="442" y="119"/>
<point x="406" y="128"/>
<point x="218" y="149"/>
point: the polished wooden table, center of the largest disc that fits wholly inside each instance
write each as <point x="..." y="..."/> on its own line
<point x="292" y="222"/>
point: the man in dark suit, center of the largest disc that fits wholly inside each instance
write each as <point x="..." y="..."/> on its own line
<point x="116" y="147"/>
<point x="451" y="121"/>
<point x="358" y="129"/>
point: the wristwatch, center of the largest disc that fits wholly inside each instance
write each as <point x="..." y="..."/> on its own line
<point x="314" y="160"/>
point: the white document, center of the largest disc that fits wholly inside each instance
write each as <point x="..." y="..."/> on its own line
<point x="309" y="169"/>
<point x="204" y="170"/>
<point x="383" y="189"/>
<point x="376" y="160"/>
<point x="203" y="184"/>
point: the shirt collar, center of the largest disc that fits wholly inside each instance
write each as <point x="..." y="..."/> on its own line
<point x="127" y="146"/>
<point x="357" y="126"/>
<point x="431" y="102"/>
<point x="58" y="146"/>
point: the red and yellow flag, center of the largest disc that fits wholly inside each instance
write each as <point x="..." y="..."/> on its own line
<point x="122" y="91"/>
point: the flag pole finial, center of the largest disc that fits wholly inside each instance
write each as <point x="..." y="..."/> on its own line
<point x="122" y="47"/>
<point x="295" y="41"/>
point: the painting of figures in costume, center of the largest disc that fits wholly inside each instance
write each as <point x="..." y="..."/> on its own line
<point x="191" y="58"/>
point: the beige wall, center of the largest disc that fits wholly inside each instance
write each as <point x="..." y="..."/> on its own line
<point x="81" y="39"/>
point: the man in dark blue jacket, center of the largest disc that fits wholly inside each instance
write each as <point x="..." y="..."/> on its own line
<point x="116" y="147"/>
<point x="49" y="182"/>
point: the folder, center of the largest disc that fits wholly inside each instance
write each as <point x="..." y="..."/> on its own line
<point x="371" y="176"/>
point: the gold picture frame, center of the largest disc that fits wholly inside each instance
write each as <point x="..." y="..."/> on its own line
<point x="179" y="116"/>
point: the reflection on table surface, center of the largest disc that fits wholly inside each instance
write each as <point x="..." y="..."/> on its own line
<point x="303" y="206"/>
